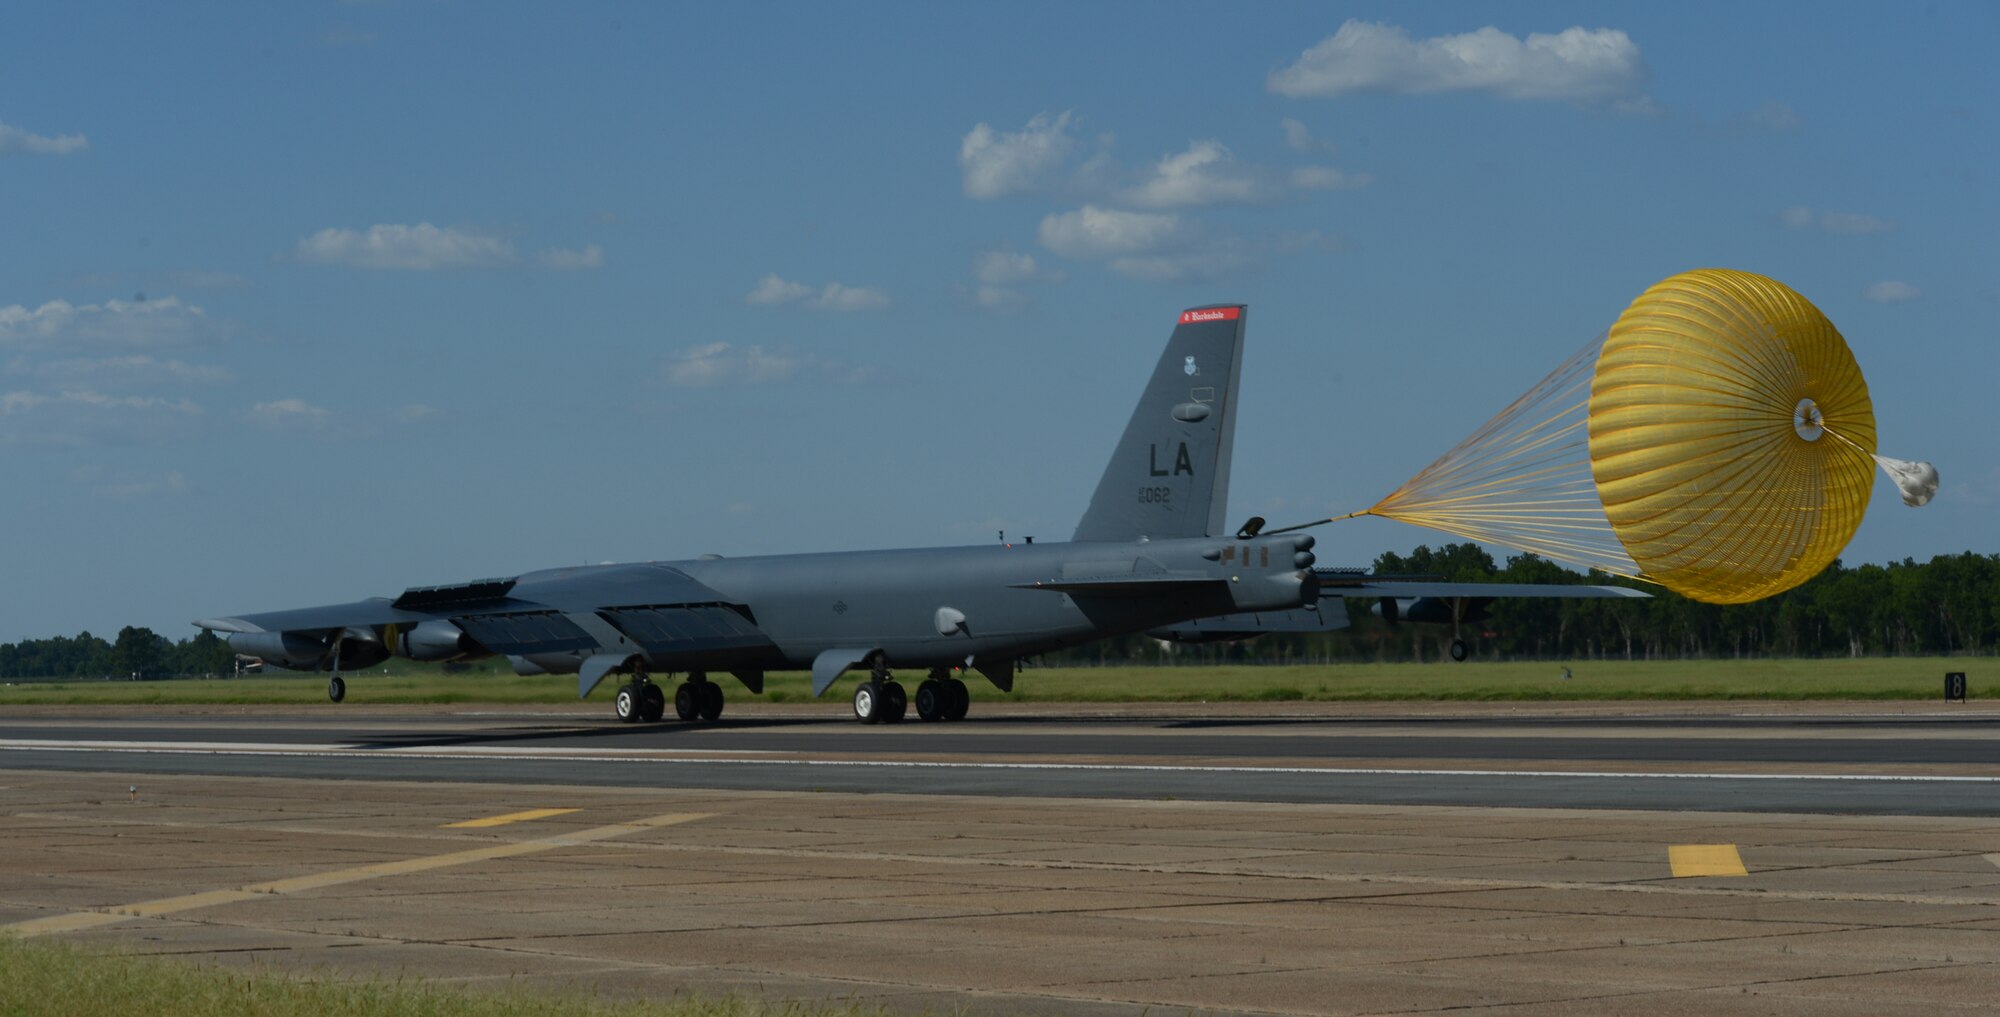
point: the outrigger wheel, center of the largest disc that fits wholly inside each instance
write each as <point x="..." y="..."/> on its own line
<point x="336" y="688"/>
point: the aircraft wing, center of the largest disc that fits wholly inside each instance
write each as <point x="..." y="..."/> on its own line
<point x="559" y="618"/>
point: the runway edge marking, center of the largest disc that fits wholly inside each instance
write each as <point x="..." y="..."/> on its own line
<point x="80" y="920"/>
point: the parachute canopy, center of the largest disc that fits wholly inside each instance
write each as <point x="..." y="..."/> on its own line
<point x="1718" y="440"/>
<point x="1731" y="436"/>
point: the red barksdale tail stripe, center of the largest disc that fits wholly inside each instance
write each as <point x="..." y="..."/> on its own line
<point x="1211" y="314"/>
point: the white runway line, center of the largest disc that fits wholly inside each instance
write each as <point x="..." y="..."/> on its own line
<point x="681" y="756"/>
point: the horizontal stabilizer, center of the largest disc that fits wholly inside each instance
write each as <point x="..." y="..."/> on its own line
<point x="1418" y="588"/>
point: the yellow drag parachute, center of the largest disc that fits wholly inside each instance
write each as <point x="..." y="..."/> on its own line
<point x="1718" y="440"/>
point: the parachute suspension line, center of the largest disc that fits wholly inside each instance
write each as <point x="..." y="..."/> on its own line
<point x="1523" y="479"/>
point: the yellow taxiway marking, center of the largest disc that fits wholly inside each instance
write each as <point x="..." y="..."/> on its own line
<point x="81" y="920"/>
<point x="511" y="817"/>
<point x="1705" y="860"/>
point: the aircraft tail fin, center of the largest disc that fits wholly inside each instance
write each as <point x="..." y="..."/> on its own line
<point x="1170" y="474"/>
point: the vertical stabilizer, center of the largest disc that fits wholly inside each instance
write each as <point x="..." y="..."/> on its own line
<point x="1170" y="474"/>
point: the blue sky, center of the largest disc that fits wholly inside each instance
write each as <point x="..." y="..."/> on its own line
<point x="302" y="303"/>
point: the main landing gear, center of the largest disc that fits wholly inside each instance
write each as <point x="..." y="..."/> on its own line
<point x="643" y="700"/>
<point x="942" y="697"/>
<point x="881" y="700"/>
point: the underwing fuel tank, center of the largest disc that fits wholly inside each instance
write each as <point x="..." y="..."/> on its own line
<point x="293" y="650"/>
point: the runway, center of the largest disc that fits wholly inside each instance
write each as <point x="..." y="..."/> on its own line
<point x="1860" y="764"/>
<point x="1286" y="859"/>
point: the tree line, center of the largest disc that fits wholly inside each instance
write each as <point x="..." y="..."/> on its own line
<point x="137" y="653"/>
<point x="1949" y="605"/>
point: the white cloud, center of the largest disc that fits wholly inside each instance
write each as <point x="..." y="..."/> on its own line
<point x="836" y="297"/>
<point x="1578" y="64"/>
<point x="289" y="413"/>
<point x="15" y="141"/>
<point x="1891" y="291"/>
<point x="1205" y="174"/>
<point x="773" y="289"/>
<point x="722" y="363"/>
<point x="1800" y="217"/>
<point x="128" y="323"/>
<point x="565" y="260"/>
<point x="1299" y="139"/>
<point x="1327" y="178"/>
<point x="995" y="164"/>
<point x="395" y="246"/>
<point x="1092" y="232"/>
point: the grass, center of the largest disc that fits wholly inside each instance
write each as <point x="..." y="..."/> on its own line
<point x="1866" y="678"/>
<point x="48" y="977"/>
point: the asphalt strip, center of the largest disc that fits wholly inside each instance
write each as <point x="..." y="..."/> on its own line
<point x="708" y="757"/>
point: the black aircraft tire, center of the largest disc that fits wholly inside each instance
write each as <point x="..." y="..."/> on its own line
<point x="687" y="701"/>
<point x="336" y="688"/>
<point x="652" y="702"/>
<point x="961" y="700"/>
<point x="711" y="700"/>
<point x="931" y="698"/>
<point x="627" y="704"/>
<point x="1458" y="650"/>
<point x="868" y="702"/>
<point x="896" y="700"/>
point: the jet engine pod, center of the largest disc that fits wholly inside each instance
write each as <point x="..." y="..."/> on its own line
<point x="436" y="640"/>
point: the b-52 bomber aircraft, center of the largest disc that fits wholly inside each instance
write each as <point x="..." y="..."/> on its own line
<point x="1150" y="555"/>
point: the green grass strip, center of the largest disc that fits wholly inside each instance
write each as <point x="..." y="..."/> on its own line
<point x="57" y="978"/>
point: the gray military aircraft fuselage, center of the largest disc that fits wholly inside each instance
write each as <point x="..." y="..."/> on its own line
<point x="1151" y="554"/>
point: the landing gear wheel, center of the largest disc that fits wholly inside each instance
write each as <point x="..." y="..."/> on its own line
<point x="931" y="699"/>
<point x="1458" y="650"/>
<point x="869" y="706"/>
<point x="628" y="704"/>
<point x="961" y="700"/>
<point x="895" y="702"/>
<point x="336" y="688"/>
<point x="711" y="700"/>
<point x="652" y="702"/>
<point x="687" y="701"/>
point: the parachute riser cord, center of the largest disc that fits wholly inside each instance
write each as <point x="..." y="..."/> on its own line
<point x="1316" y="522"/>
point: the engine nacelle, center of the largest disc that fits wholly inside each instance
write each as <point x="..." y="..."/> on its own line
<point x="436" y="640"/>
